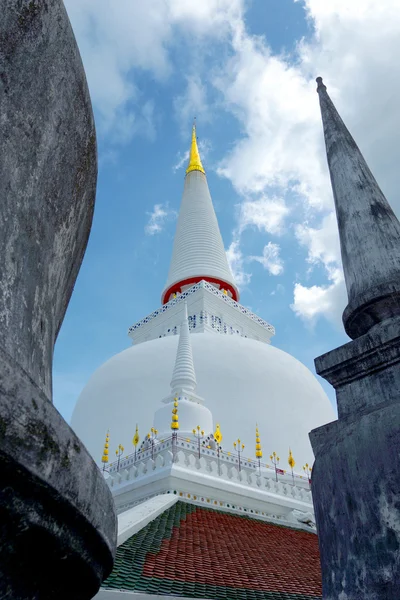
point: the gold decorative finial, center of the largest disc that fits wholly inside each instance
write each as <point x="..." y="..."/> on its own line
<point x="119" y="452"/>
<point x="194" y="156"/>
<point x="218" y="435"/>
<point x="258" y="445"/>
<point x="175" y="420"/>
<point x="104" y="458"/>
<point x="136" y="437"/>
<point x="307" y="469"/>
<point x="291" y="460"/>
<point x="291" y="463"/>
<point x="275" y="461"/>
<point x="239" y="447"/>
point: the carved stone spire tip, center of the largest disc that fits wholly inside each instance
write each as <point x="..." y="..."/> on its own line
<point x="365" y="221"/>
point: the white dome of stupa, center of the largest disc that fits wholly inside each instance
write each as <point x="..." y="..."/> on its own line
<point x="242" y="381"/>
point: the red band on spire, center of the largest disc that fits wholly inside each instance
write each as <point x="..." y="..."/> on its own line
<point x="177" y="287"/>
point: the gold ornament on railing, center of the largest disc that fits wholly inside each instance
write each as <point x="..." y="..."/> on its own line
<point x="119" y="452"/>
<point x="218" y="434"/>
<point x="239" y="447"/>
<point x="258" y="444"/>
<point x="104" y="458"/>
<point x="275" y="461"/>
<point x="198" y="434"/>
<point x="175" y="419"/>
<point x="307" y="469"/>
<point x="258" y="449"/>
<point x="291" y="463"/>
<point x="136" y="439"/>
<point x="151" y="436"/>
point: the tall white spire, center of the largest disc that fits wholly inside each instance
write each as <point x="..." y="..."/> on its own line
<point x="198" y="251"/>
<point x="184" y="377"/>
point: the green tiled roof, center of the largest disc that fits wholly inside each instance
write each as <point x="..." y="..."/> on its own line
<point x="204" y="553"/>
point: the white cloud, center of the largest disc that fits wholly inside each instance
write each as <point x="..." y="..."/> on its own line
<point x="236" y="264"/>
<point x="315" y="301"/>
<point x="328" y="300"/>
<point x="323" y="242"/>
<point x="270" y="259"/>
<point x="355" y="47"/>
<point x="157" y="218"/>
<point x="282" y="147"/>
<point x="208" y="18"/>
<point x="267" y="214"/>
<point x="193" y="102"/>
<point x="116" y="40"/>
<point x="280" y="289"/>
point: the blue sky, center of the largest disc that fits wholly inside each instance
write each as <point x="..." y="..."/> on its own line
<point x="247" y="71"/>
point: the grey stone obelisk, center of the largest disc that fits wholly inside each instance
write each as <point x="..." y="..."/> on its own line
<point x="57" y="518"/>
<point x="356" y="476"/>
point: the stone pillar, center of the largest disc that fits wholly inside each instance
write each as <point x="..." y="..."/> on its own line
<point x="57" y="517"/>
<point x="356" y="475"/>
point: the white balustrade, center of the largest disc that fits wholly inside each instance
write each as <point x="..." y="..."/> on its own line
<point x="186" y="454"/>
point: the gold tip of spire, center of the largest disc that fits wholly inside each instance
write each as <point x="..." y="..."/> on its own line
<point x="194" y="156"/>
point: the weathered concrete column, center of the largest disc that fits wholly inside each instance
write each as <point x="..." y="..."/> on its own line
<point x="57" y="519"/>
<point x="356" y="481"/>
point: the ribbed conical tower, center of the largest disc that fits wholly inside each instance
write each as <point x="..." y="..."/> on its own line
<point x="184" y="377"/>
<point x="368" y="228"/>
<point x="198" y="251"/>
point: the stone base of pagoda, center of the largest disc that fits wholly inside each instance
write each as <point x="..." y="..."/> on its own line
<point x="356" y="484"/>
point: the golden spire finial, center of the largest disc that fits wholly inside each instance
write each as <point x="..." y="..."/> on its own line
<point x="194" y="156"/>
<point x="175" y="420"/>
<point x="258" y="444"/>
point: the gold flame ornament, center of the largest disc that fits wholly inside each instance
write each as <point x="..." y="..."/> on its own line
<point x="218" y="434"/>
<point x="136" y="437"/>
<point x="104" y="458"/>
<point x="175" y="419"/>
<point x="291" y="461"/>
<point x="258" y="445"/>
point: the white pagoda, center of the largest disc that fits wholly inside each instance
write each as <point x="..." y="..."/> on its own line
<point x="241" y="376"/>
<point x="198" y="502"/>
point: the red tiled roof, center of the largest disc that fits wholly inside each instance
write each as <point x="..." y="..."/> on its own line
<point x="202" y="552"/>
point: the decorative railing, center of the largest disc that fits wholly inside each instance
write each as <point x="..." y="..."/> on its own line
<point x="205" y="285"/>
<point x="180" y="453"/>
<point x="218" y="458"/>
